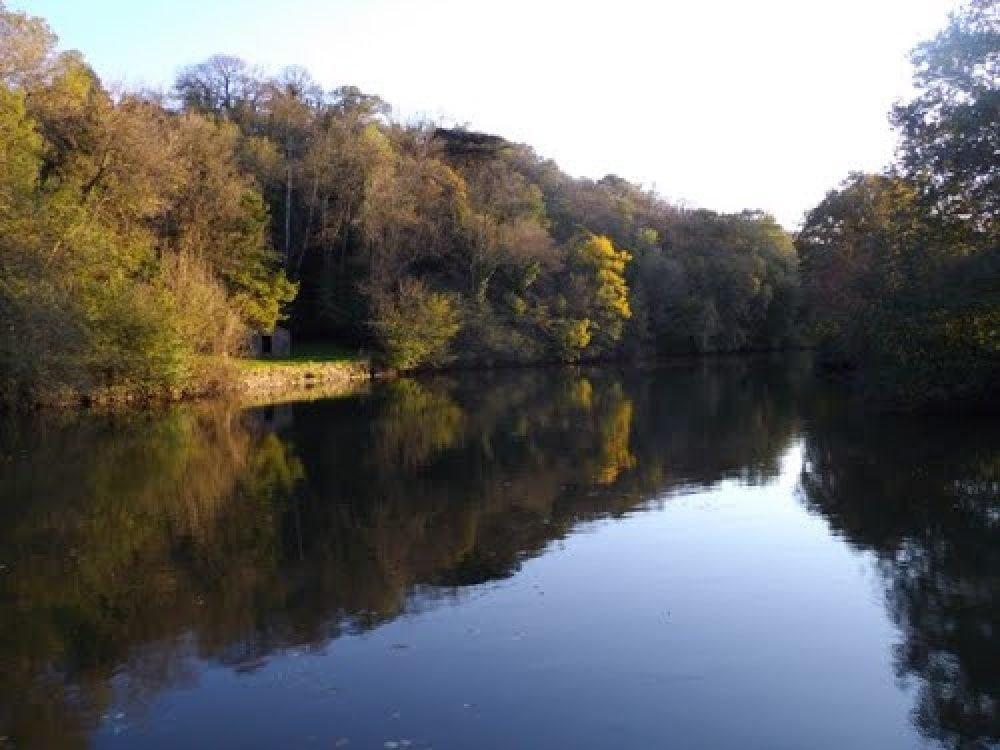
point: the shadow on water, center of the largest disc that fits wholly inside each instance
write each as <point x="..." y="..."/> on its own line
<point x="924" y="497"/>
<point x="131" y="545"/>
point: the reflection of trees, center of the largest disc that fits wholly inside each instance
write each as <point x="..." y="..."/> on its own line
<point x="927" y="503"/>
<point x="206" y="531"/>
<point x="93" y="510"/>
<point x="415" y="424"/>
<point x="614" y="433"/>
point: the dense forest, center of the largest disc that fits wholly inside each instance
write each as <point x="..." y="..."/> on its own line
<point x="901" y="270"/>
<point x="144" y="235"/>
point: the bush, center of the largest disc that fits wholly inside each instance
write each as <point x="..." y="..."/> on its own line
<point x="415" y="326"/>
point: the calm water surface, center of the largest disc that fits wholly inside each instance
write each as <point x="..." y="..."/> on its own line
<point x="710" y="556"/>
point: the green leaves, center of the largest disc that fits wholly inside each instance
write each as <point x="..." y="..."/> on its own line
<point x="951" y="139"/>
<point x="131" y="241"/>
<point x="415" y="325"/>
<point x="899" y="271"/>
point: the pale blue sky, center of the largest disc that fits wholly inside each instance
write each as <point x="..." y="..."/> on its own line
<point x="727" y="105"/>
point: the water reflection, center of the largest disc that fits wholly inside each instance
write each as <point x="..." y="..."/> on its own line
<point x="924" y="496"/>
<point x="130" y="545"/>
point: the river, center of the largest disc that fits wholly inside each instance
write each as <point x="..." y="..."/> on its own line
<point x="720" y="554"/>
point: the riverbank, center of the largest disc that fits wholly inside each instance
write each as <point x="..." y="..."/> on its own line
<point x="313" y="371"/>
<point x="301" y="377"/>
<point x="258" y="380"/>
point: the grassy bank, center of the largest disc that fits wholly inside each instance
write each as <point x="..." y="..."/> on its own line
<point x="309" y="353"/>
<point x="318" y="367"/>
<point x="311" y="370"/>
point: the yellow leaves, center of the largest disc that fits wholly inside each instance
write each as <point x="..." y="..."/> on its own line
<point x="607" y="285"/>
<point x="613" y="299"/>
<point x="608" y="277"/>
<point x="599" y="253"/>
<point x="572" y="336"/>
<point x="597" y="302"/>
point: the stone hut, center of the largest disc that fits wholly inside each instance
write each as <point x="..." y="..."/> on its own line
<point x="277" y="343"/>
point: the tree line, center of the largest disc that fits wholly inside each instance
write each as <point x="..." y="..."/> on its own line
<point x="144" y="235"/>
<point x="134" y="245"/>
<point x="432" y="245"/>
<point x="901" y="270"/>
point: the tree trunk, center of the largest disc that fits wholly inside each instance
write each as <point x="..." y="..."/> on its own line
<point x="288" y="207"/>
